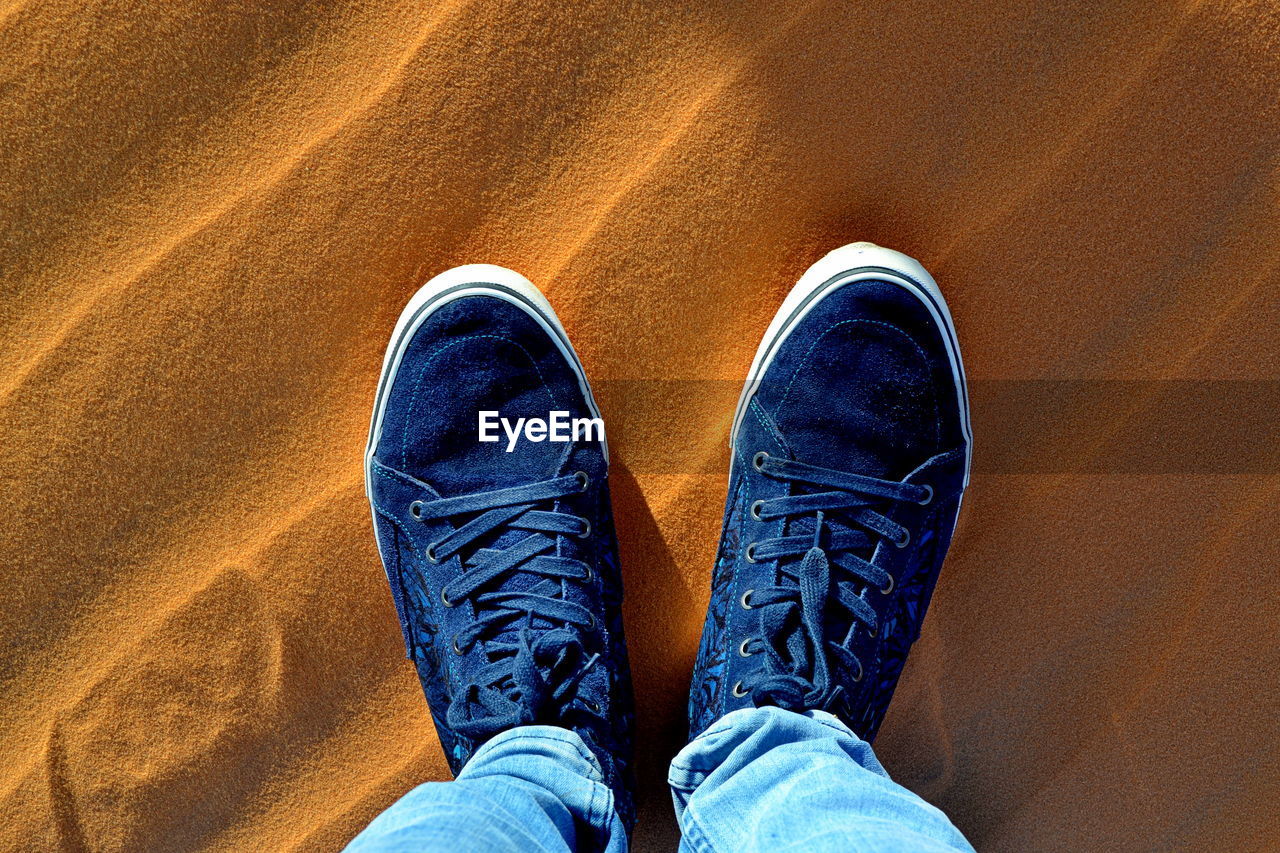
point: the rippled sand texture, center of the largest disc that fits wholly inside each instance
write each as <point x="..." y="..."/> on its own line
<point x="211" y="215"/>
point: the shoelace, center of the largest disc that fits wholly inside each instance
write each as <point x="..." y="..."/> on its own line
<point x="537" y="675"/>
<point x="792" y="613"/>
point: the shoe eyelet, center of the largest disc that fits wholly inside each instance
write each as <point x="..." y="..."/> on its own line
<point x="755" y="510"/>
<point x="757" y="461"/>
<point x="858" y="677"/>
<point x="873" y="632"/>
<point x="745" y="600"/>
<point x="593" y="622"/>
<point x="750" y="553"/>
<point x="589" y="575"/>
<point x="415" y="509"/>
<point x="457" y="651"/>
<point x="739" y="691"/>
<point x="904" y="541"/>
<point x="928" y="495"/>
<point x="583" y="478"/>
<point x="444" y="599"/>
<point x="592" y="706"/>
<point x="430" y="552"/>
<point x="742" y="649"/>
<point x="587" y="532"/>
<point x="887" y="588"/>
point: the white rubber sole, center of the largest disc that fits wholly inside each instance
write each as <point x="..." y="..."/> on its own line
<point x="469" y="280"/>
<point x="858" y="262"/>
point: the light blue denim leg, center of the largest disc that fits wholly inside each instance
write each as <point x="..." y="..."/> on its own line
<point x="533" y="788"/>
<point x="769" y="780"/>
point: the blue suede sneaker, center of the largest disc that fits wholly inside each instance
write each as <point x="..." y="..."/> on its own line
<point x="501" y="553"/>
<point x="850" y="454"/>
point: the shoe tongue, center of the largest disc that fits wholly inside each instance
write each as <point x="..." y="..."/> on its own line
<point x="518" y="580"/>
<point x="558" y="460"/>
<point x="832" y="524"/>
<point x="522" y="580"/>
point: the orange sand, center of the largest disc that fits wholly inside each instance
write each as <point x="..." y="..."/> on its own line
<point x="211" y="214"/>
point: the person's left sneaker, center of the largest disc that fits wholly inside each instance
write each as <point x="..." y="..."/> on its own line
<point x="500" y="552"/>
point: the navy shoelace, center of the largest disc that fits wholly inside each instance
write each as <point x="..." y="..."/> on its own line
<point x="794" y="612"/>
<point x="535" y="667"/>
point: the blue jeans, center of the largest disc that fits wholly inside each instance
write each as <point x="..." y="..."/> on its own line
<point x="759" y="779"/>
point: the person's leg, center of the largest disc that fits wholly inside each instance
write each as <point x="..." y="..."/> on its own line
<point x="531" y="788"/>
<point x="769" y="780"/>
<point x="503" y="566"/>
<point x="850" y="453"/>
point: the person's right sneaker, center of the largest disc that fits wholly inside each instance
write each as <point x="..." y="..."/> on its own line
<point x="850" y="454"/>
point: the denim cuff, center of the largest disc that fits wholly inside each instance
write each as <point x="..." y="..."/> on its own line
<point x="557" y="744"/>
<point x="704" y="754"/>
